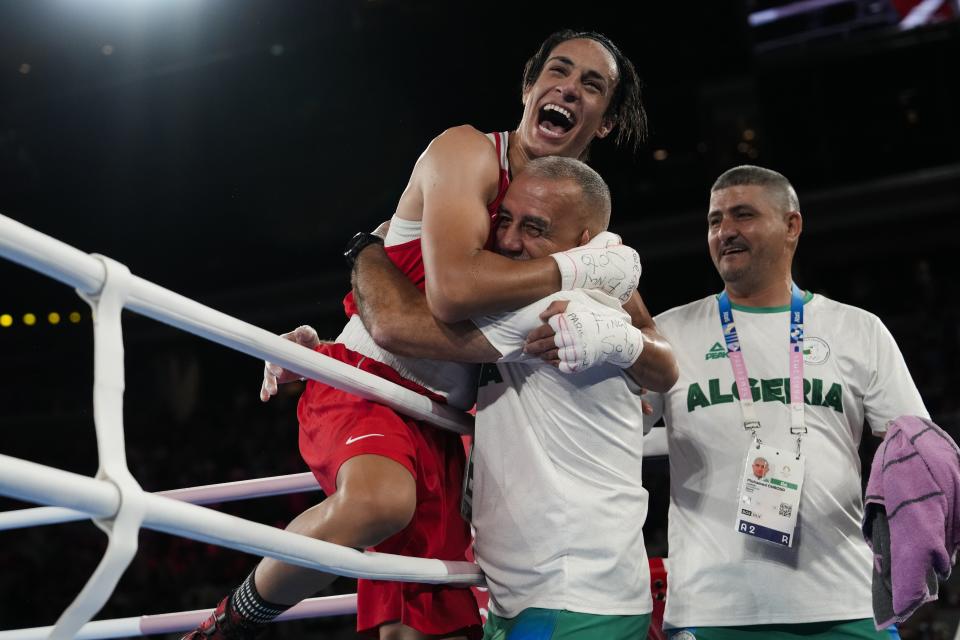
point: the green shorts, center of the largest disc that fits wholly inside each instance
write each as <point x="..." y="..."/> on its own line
<point x="843" y="630"/>
<point x="556" y="624"/>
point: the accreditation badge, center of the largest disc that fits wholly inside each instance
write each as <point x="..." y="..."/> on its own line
<point x="769" y="495"/>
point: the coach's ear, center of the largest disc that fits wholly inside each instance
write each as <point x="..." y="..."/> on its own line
<point x="584" y="237"/>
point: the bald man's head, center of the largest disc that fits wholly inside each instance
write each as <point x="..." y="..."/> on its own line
<point x="594" y="209"/>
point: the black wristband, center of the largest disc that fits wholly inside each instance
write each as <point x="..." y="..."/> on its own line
<point x="357" y="244"/>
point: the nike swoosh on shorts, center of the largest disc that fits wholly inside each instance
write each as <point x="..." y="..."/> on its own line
<point x="353" y="439"/>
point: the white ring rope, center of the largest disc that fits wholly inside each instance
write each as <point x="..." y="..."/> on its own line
<point x="86" y="273"/>
<point x="654" y="444"/>
<point x="206" y="494"/>
<point x="39" y="483"/>
<point x="116" y="502"/>
<point x="121" y="525"/>
<point x="186" y="620"/>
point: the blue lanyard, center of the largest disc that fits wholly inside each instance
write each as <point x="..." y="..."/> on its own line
<point x="735" y="355"/>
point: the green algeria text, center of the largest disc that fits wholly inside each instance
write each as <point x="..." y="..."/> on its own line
<point x="766" y="390"/>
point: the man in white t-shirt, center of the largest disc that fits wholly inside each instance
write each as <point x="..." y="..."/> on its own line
<point x="558" y="450"/>
<point x="729" y="577"/>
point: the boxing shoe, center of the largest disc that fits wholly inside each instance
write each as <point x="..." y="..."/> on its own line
<point x="225" y="624"/>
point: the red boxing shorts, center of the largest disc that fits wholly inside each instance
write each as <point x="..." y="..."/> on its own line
<point x="336" y="426"/>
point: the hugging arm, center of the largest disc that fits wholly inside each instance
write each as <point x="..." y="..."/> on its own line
<point x="576" y="338"/>
<point x="396" y="315"/>
<point x="456" y="177"/>
<point x="656" y="368"/>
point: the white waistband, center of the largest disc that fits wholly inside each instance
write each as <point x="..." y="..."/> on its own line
<point x="456" y="381"/>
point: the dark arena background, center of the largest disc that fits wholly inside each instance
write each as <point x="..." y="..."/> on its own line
<point x="228" y="150"/>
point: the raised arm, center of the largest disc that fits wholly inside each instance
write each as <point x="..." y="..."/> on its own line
<point x="457" y="176"/>
<point x="398" y="319"/>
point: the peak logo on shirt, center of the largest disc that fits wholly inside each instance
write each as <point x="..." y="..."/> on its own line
<point x="766" y="390"/>
<point x="716" y="352"/>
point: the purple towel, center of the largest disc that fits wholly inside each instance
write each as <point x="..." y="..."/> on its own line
<point x="912" y="516"/>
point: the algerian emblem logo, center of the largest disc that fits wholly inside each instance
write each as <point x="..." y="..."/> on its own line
<point x="815" y="350"/>
<point x="716" y="352"/>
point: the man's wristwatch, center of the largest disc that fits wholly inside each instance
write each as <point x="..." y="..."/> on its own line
<point x="357" y="244"/>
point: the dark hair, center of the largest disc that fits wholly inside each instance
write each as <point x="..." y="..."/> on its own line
<point x="595" y="191"/>
<point x="626" y="105"/>
<point x="749" y="175"/>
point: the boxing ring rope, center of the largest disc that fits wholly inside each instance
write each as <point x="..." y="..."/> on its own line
<point x="186" y="620"/>
<point x="207" y="494"/>
<point x="114" y="499"/>
<point x="87" y="274"/>
<point x="118" y="505"/>
<point x="654" y="444"/>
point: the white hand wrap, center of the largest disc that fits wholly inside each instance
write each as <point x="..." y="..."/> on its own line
<point x="587" y="336"/>
<point x="604" y="263"/>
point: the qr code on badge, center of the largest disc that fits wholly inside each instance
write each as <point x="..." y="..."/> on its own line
<point x="786" y="509"/>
